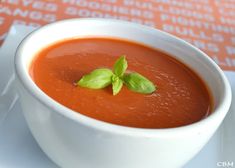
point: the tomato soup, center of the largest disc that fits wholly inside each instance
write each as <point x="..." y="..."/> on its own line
<point x="181" y="97"/>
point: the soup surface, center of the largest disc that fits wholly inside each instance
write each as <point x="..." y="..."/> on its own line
<point x="181" y="97"/>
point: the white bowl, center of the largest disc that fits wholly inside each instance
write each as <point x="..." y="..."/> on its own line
<point x="72" y="140"/>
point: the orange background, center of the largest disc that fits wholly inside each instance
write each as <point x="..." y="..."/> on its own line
<point x="207" y="24"/>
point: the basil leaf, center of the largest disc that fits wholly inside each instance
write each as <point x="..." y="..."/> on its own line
<point x="120" y="66"/>
<point x="97" y="79"/>
<point x="117" y="84"/>
<point x="138" y="83"/>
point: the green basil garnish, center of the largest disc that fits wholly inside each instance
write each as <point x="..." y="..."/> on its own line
<point x="101" y="78"/>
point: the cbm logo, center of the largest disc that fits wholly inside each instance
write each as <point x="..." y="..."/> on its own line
<point x="225" y="164"/>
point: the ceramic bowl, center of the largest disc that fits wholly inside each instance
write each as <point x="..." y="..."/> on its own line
<point x="73" y="140"/>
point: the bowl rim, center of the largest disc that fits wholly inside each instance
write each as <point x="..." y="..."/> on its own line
<point x="38" y="94"/>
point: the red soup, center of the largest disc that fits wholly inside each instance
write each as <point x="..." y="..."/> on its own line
<point x="181" y="97"/>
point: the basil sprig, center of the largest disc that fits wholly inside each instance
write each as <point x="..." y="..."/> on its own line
<point x="103" y="77"/>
